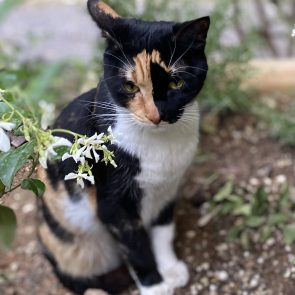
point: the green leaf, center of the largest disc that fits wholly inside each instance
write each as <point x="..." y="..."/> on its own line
<point x="245" y="239"/>
<point x="224" y="192"/>
<point x="60" y="150"/>
<point x="254" y="221"/>
<point x="260" y="203"/>
<point x="3" y="108"/>
<point x="277" y="218"/>
<point x="7" y="226"/>
<point x="13" y="160"/>
<point x="265" y="233"/>
<point x="227" y="208"/>
<point x="244" y="210"/>
<point x="34" y="185"/>
<point x="289" y="233"/>
<point x="285" y="197"/>
<point x="235" y="232"/>
<point x="2" y="189"/>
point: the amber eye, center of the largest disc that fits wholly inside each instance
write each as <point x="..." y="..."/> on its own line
<point x="176" y="85"/>
<point x="130" y="87"/>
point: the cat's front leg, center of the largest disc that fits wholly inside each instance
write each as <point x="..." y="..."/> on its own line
<point x="174" y="271"/>
<point x="127" y="228"/>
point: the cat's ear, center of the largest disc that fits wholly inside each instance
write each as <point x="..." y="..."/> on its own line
<point x="192" y="32"/>
<point x="103" y="15"/>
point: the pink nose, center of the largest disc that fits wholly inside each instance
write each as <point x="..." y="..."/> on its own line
<point x="154" y="117"/>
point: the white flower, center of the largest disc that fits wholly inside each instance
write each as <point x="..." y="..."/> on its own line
<point x="77" y="156"/>
<point x="45" y="155"/>
<point x="48" y="110"/>
<point x="87" y="153"/>
<point x="93" y="140"/>
<point x="80" y="178"/>
<point x="4" y="139"/>
<point x="293" y="32"/>
<point x="113" y="139"/>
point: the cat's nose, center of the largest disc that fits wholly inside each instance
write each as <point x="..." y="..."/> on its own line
<point x="154" y="117"/>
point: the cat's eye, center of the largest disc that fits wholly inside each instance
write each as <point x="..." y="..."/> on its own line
<point x="176" y="85"/>
<point x="130" y="87"/>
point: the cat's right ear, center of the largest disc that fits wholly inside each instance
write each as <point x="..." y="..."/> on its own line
<point x="104" y="16"/>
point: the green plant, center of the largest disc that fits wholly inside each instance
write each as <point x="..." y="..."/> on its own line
<point x="281" y="123"/>
<point x="257" y="213"/>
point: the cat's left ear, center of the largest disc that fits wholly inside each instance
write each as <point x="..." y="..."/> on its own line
<point x="105" y="17"/>
<point x="192" y="32"/>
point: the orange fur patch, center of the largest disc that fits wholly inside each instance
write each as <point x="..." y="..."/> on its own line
<point x="93" y="252"/>
<point x="107" y="9"/>
<point x="143" y="105"/>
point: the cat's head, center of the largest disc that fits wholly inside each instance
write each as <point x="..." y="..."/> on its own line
<point x="154" y="69"/>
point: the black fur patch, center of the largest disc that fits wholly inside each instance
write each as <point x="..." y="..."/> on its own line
<point x="60" y="232"/>
<point x="114" y="282"/>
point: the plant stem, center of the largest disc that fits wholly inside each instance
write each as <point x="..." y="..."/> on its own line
<point x="67" y="131"/>
<point x="12" y="107"/>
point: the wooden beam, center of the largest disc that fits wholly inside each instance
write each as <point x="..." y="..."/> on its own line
<point x="271" y="75"/>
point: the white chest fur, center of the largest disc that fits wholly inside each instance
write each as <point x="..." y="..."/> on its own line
<point x="164" y="154"/>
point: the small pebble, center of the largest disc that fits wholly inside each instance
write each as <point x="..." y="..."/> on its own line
<point x="260" y="260"/>
<point x="222" y="275"/>
<point x="190" y="234"/>
<point x="254" y="281"/>
<point x="281" y="179"/>
<point x="213" y="288"/>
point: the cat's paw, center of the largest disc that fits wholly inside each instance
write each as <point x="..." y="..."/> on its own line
<point x="176" y="275"/>
<point x="160" y="289"/>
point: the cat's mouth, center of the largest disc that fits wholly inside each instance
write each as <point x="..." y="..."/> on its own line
<point x="161" y="125"/>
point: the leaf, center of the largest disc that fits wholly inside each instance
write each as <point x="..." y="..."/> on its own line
<point x="12" y="161"/>
<point x="289" y="233"/>
<point x="245" y="239"/>
<point x="7" y="226"/>
<point x="285" y="197"/>
<point x="260" y="201"/>
<point x="277" y="218"/>
<point x="254" y="221"/>
<point x="243" y="210"/>
<point x="224" y="192"/>
<point x="234" y="232"/>
<point x="265" y="233"/>
<point x="60" y="150"/>
<point x="34" y="185"/>
<point x="227" y="208"/>
<point x="2" y="189"/>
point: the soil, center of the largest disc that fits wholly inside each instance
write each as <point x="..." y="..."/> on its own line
<point x="238" y="150"/>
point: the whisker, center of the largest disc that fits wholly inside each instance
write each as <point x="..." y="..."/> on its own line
<point x="128" y="67"/>
<point x="172" y="53"/>
<point x="198" y="68"/>
<point x="183" y="54"/>
<point x="185" y="73"/>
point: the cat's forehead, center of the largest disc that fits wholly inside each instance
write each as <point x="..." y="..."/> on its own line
<point x="140" y="73"/>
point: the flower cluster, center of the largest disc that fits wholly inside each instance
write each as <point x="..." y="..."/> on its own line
<point x="48" y="151"/>
<point x="50" y="147"/>
<point x="293" y="32"/>
<point x="87" y="148"/>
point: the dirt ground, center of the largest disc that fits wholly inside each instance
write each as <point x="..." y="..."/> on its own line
<point x="216" y="267"/>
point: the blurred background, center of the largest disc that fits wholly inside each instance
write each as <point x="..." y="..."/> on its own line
<point x="237" y="215"/>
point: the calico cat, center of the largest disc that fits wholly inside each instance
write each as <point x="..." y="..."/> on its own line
<point x="152" y="73"/>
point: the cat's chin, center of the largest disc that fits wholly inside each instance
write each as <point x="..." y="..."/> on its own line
<point x="161" y="127"/>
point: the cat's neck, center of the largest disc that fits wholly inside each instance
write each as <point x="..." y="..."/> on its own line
<point x="133" y="136"/>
